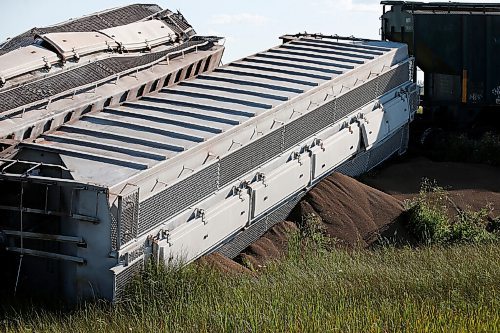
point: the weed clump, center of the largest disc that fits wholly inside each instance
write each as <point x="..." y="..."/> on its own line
<point x="435" y="219"/>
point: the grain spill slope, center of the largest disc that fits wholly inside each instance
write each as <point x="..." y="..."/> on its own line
<point x="352" y="213"/>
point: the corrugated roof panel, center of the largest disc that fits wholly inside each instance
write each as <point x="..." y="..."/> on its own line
<point x="279" y="70"/>
<point x="294" y="64"/>
<point x="240" y="89"/>
<point x="353" y="44"/>
<point x="198" y="102"/>
<point x="311" y="54"/>
<point x="124" y="138"/>
<point x="120" y="141"/>
<point x="155" y="116"/>
<point x="321" y="50"/>
<point x="142" y="123"/>
<point x="253" y="100"/>
<point x="347" y="48"/>
<point x="221" y="77"/>
<point x="172" y="109"/>
<point x="136" y="131"/>
<point x="301" y="59"/>
<point x="97" y="146"/>
<point x="137" y="135"/>
<point x="87" y="153"/>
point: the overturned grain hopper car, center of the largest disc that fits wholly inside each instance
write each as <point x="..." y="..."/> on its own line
<point x="206" y="165"/>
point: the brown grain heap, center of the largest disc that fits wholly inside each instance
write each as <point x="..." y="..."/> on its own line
<point x="353" y="213"/>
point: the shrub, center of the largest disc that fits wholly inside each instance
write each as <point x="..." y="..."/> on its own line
<point x="432" y="223"/>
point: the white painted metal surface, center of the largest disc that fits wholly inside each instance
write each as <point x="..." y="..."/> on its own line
<point x="210" y="227"/>
<point x="375" y="127"/>
<point x="26" y="59"/>
<point x="141" y="35"/>
<point x="336" y="149"/>
<point x="207" y="160"/>
<point x="77" y="44"/>
<point x="279" y="184"/>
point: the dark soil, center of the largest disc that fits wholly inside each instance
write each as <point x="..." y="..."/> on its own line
<point x="469" y="185"/>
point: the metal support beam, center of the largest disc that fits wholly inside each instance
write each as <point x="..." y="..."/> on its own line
<point x="46" y="237"/>
<point x="48" y="255"/>
<point x="51" y="213"/>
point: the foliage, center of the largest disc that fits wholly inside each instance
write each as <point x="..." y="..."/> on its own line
<point x="432" y="288"/>
<point x="432" y="221"/>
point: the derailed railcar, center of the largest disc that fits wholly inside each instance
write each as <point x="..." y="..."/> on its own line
<point x="206" y="165"/>
<point x="456" y="45"/>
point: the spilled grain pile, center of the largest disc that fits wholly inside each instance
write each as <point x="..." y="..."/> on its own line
<point x="353" y="213"/>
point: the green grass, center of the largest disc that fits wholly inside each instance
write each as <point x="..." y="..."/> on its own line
<point x="451" y="283"/>
<point x="431" y="220"/>
<point x="430" y="289"/>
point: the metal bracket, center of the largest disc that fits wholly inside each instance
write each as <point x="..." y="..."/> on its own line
<point x="261" y="177"/>
<point x="200" y="214"/>
<point x="296" y="156"/>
